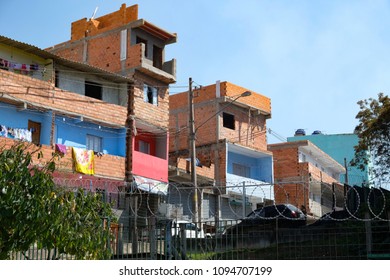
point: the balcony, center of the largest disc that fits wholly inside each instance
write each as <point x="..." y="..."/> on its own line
<point x="150" y="166"/>
<point x="136" y="60"/>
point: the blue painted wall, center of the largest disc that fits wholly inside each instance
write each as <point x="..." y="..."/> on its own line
<point x="339" y="146"/>
<point x="67" y="130"/>
<point x="72" y="133"/>
<point x="10" y="117"/>
<point x="260" y="168"/>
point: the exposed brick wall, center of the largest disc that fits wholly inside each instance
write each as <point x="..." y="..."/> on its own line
<point x="134" y="55"/>
<point x="44" y="94"/>
<point x="106" y="166"/>
<point x="152" y="114"/>
<point x="212" y="157"/>
<point x="318" y="175"/>
<point x="83" y="27"/>
<point x="205" y="93"/>
<point x="286" y="163"/>
<point x="73" y="51"/>
<point x="287" y="168"/>
<point x="103" y="41"/>
<point x="104" y="52"/>
<point x="249" y="131"/>
<point x="256" y="100"/>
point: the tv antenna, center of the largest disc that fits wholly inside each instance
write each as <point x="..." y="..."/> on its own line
<point x="94" y="13"/>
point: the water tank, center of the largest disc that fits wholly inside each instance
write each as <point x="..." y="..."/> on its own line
<point x="300" y="132"/>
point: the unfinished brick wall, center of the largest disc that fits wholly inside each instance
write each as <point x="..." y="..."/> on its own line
<point x="250" y="127"/>
<point x="250" y="130"/>
<point x="154" y="115"/>
<point x="293" y="177"/>
<point x="288" y="169"/>
<point x="104" y="52"/>
<point x="256" y="100"/>
<point x="108" y="166"/>
<point x="82" y="28"/>
<point x="99" y="42"/>
<point x="72" y="51"/>
<point x="45" y="94"/>
<point x="212" y="157"/>
<point x="318" y="175"/>
<point x="286" y="164"/>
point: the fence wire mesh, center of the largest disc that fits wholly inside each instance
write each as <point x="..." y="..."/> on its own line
<point x="340" y="222"/>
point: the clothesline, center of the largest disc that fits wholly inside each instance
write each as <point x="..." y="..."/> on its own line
<point x="23" y="67"/>
<point x="16" y="133"/>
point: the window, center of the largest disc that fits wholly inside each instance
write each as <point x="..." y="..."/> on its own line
<point x="144" y="147"/>
<point x="139" y="40"/>
<point x="150" y="95"/>
<point x="93" y="90"/>
<point x="94" y="143"/>
<point x="241" y="170"/>
<point x="228" y="120"/>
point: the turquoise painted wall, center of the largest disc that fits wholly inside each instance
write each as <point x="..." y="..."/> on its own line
<point x="339" y="146"/>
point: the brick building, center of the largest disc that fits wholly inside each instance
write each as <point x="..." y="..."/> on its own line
<point x="104" y="90"/>
<point x="122" y="43"/>
<point x="46" y="97"/>
<point x="231" y="148"/>
<point x="307" y="176"/>
<point x="341" y="148"/>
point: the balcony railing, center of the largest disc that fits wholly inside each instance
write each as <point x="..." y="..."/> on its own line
<point x="150" y="166"/>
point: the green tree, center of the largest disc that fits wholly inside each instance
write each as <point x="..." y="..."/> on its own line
<point x="33" y="210"/>
<point x="24" y="200"/>
<point x="374" y="136"/>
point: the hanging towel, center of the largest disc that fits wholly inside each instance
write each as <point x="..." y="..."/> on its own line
<point x="83" y="161"/>
<point x="60" y="148"/>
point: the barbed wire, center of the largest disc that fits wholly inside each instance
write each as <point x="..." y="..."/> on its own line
<point x="369" y="206"/>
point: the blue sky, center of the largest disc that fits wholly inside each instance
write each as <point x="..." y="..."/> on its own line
<point x="314" y="58"/>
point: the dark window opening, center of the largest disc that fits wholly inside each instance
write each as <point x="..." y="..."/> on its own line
<point x="228" y="121"/>
<point x="56" y="79"/>
<point x="150" y="95"/>
<point x="139" y="40"/>
<point x="93" y="90"/>
<point x="157" y="57"/>
<point x="144" y="147"/>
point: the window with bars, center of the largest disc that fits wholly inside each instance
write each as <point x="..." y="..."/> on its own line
<point x="94" y="143"/>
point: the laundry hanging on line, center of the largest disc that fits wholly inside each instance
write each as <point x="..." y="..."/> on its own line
<point x="83" y="161"/>
<point x="16" y="133"/>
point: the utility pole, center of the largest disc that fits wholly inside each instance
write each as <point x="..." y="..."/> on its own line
<point x="133" y="216"/>
<point x="193" y="151"/>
